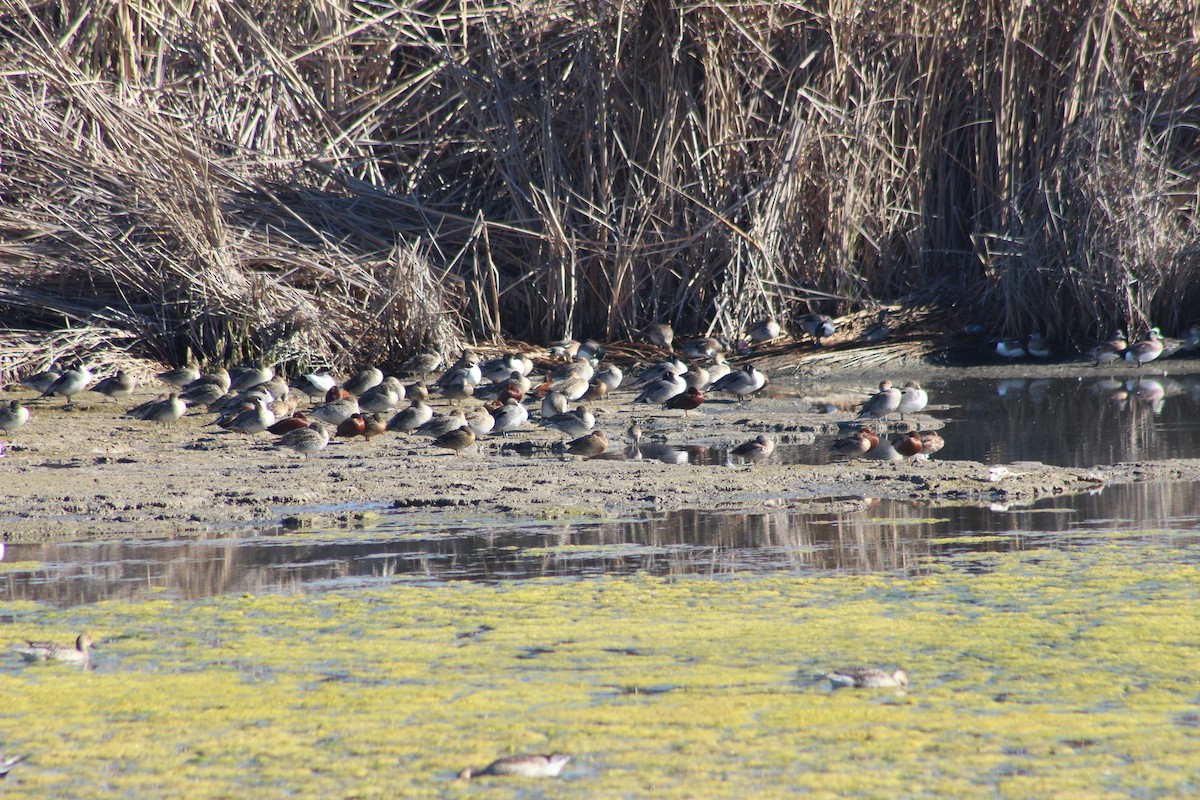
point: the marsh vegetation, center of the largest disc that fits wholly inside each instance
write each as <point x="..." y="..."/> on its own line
<point x="341" y="183"/>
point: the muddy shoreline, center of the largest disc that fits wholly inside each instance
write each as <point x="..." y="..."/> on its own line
<point x="88" y="471"/>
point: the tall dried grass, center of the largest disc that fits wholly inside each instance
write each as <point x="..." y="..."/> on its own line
<point x="336" y="182"/>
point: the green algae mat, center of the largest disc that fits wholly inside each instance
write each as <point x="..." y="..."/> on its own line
<point x="1039" y="674"/>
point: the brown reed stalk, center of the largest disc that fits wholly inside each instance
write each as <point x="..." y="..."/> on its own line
<point x="336" y="182"/>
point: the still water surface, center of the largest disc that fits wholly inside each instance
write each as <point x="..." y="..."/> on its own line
<point x="1067" y="422"/>
<point x="888" y="535"/>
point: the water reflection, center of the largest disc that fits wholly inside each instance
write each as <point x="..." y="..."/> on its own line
<point x="884" y="536"/>
<point x="1069" y="422"/>
<point x="1073" y="422"/>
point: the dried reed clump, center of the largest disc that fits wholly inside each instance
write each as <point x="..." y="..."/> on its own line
<point x="338" y="182"/>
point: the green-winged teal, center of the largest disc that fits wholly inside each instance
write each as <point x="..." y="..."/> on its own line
<point x="818" y="326"/>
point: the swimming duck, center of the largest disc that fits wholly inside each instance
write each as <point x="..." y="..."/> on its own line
<point x="742" y="383"/>
<point x="51" y="651"/>
<point x="866" y="678"/>
<point x="525" y="766"/>
<point x="13" y="416"/>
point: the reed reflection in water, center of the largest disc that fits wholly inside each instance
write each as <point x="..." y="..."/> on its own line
<point x="884" y="536"/>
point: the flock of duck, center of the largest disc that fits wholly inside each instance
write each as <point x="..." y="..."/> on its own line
<point x="486" y="398"/>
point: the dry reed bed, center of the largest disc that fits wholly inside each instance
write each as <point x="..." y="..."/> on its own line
<point x="335" y="183"/>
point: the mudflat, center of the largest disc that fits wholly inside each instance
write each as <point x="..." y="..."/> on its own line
<point x="88" y="470"/>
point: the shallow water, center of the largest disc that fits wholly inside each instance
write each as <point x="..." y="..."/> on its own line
<point x="1063" y="672"/>
<point x="886" y="536"/>
<point x="1066" y="422"/>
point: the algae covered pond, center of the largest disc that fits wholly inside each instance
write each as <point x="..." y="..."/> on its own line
<point x="1054" y="672"/>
